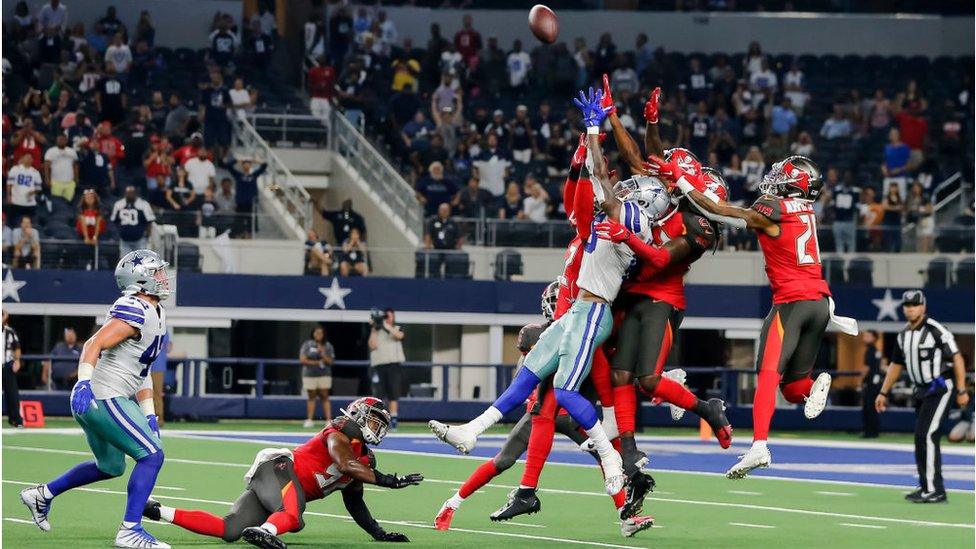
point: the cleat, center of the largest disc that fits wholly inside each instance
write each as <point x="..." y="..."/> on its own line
<point x="928" y="497"/>
<point x="259" y="537"/>
<point x="631" y="526"/>
<point x="715" y="417"/>
<point x="138" y="538"/>
<point x="639" y="486"/>
<point x="517" y="505"/>
<point x="38" y="505"/>
<point x="818" y="396"/>
<point x="613" y="472"/>
<point x="458" y="437"/>
<point x="151" y="510"/>
<point x="443" y="519"/>
<point x="678" y="375"/>
<point x="914" y="494"/>
<point x="753" y="459"/>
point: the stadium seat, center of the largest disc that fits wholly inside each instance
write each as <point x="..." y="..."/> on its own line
<point x="964" y="273"/>
<point x="508" y="263"/>
<point x="833" y="268"/>
<point x="457" y="265"/>
<point x="937" y="273"/>
<point x="188" y="257"/>
<point x="860" y="271"/>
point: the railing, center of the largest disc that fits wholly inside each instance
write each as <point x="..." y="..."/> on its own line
<point x="103" y="255"/>
<point x="290" y="130"/>
<point x="192" y="224"/>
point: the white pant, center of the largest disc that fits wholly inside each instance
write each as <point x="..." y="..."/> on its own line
<point x="320" y="107"/>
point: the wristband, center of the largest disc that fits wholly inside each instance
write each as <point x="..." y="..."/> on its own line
<point x="593" y="130"/>
<point x="85" y="371"/>
<point x="884" y="394"/>
<point x="961" y="392"/>
<point x="148" y="408"/>
<point x="685" y="185"/>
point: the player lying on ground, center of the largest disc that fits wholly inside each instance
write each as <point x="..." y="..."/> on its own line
<point x="523" y="499"/>
<point x="113" y="367"/>
<point x="282" y="481"/>
<point x="785" y="224"/>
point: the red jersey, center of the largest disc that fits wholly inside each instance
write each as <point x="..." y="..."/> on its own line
<point x="467" y="42"/>
<point x="668" y="284"/>
<point x="321" y="82"/>
<point x="793" y="257"/>
<point x="111" y="147"/>
<point x="29" y="145"/>
<point x="187" y="152"/>
<point x="913" y="130"/>
<point x="579" y="207"/>
<point x="317" y="474"/>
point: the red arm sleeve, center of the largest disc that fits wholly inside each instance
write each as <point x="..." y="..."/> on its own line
<point x="569" y="195"/>
<point x="583" y="208"/>
<point x="653" y="257"/>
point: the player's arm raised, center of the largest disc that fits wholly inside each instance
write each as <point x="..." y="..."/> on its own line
<point x="349" y="465"/>
<point x="111" y="334"/>
<point x="593" y="115"/>
<point x="652" y="137"/>
<point x="352" y="498"/>
<point x="629" y="150"/>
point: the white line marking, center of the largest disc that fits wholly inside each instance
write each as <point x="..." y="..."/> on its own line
<point x="745" y="493"/>
<point x="373" y="489"/>
<point x="852" y="525"/>
<point x="523" y="524"/>
<point x="345" y="517"/>
<point x="574" y="492"/>
<point x="747" y="525"/>
<point x="158" y="487"/>
<point x="825" y="493"/>
<point x="20" y="521"/>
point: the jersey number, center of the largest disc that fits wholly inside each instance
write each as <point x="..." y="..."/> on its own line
<point x="803" y="254"/>
<point x="150" y="354"/>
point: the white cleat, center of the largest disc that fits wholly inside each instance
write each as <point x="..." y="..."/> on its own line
<point x="38" y="505"/>
<point x="613" y="471"/>
<point x="630" y="527"/>
<point x="458" y="436"/>
<point x="818" y="396"/>
<point x="753" y="459"/>
<point x="138" y="538"/>
<point x="677" y="375"/>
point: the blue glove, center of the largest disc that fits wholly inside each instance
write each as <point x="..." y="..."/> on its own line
<point x="153" y="424"/>
<point x="593" y="113"/>
<point x="81" y="397"/>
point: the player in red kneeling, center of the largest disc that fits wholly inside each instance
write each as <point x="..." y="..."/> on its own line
<point x="785" y="223"/>
<point x="281" y="481"/>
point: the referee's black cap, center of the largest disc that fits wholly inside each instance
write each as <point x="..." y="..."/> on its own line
<point x="913" y="297"/>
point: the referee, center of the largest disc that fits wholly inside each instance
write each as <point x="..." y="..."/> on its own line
<point x="926" y="348"/>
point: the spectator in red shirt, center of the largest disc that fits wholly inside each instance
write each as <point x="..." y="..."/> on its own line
<point x="914" y="128"/>
<point x="320" y="81"/>
<point x="158" y="164"/>
<point x="467" y="41"/>
<point x="27" y="140"/>
<point x="189" y="150"/>
<point x="90" y="223"/>
<point x="108" y="144"/>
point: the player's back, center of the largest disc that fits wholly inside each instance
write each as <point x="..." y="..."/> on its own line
<point x="792" y="258"/>
<point x="316" y="472"/>
<point x="605" y="263"/>
<point x="121" y="370"/>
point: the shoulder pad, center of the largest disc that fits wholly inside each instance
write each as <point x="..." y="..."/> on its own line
<point x="130" y="310"/>
<point x="349" y="428"/>
<point x="700" y="231"/>
<point x="769" y="206"/>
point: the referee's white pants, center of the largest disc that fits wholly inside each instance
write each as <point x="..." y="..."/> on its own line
<point x="931" y="410"/>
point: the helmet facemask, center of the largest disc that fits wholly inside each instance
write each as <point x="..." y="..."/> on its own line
<point x="371" y="416"/>
<point x="549" y="298"/>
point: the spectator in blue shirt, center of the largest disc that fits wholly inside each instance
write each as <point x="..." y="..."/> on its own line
<point x="783" y="118"/>
<point x="895" y="167"/>
<point x="844" y="205"/>
<point x="245" y="183"/>
<point x="434" y="189"/>
<point x="416" y="133"/>
<point x="133" y="217"/>
<point x="837" y="126"/>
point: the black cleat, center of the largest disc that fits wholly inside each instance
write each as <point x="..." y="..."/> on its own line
<point x="259" y="537"/>
<point x="151" y="510"/>
<point x="929" y="497"/>
<point x="913" y="495"/>
<point x="525" y="504"/>
<point x="639" y="486"/>
<point x="714" y="414"/>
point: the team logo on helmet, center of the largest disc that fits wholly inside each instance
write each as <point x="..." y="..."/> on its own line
<point x="649" y="193"/>
<point x="794" y="177"/>
<point x="686" y="159"/>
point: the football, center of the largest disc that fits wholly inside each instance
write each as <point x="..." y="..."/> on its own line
<point x="543" y="23"/>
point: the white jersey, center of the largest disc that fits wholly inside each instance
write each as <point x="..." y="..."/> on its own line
<point x="124" y="369"/>
<point x="604" y="263"/>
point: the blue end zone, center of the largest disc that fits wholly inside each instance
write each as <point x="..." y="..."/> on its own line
<point x="880" y="464"/>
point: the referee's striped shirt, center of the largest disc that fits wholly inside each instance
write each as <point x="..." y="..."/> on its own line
<point x="925" y="351"/>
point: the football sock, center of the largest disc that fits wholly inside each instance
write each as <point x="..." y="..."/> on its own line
<point x="454" y="501"/>
<point x="200" y="522"/>
<point x="797" y="391"/>
<point x="487" y="418"/>
<point x="579" y="409"/>
<point x="600" y="375"/>
<point x="620" y="498"/>
<point x="600" y="443"/>
<point x="675" y="393"/>
<point x="270" y="527"/>
<point x="516" y="393"/>
<point x="79" y="475"/>
<point x="610" y="422"/>
<point x="540" y="444"/>
<point x="141" y="483"/>
<point x="759" y="444"/>
<point x="481" y="476"/>
<point x="285" y="520"/>
<point x="167" y="513"/>
<point x="625" y="407"/>
<point x="764" y="403"/>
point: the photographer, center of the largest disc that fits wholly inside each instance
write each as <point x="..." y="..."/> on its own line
<point x="386" y="358"/>
<point x="317" y="356"/>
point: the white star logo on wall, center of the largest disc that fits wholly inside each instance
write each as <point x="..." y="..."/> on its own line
<point x="11" y="287"/>
<point x="335" y="295"/>
<point x="887" y="306"/>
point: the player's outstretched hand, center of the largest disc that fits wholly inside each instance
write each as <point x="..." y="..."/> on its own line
<point x="397" y="482"/>
<point x="613" y="231"/>
<point x="607" y="100"/>
<point x="81" y="397"/>
<point x="395" y="537"/>
<point x="651" y="107"/>
<point x="589" y="105"/>
<point x="153" y="424"/>
<point x="579" y="156"/>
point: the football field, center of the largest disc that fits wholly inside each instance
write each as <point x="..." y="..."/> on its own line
<point x="692" y="507"/>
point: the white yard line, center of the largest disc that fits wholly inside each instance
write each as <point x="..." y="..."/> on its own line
<point x="744" y="493"/>
<point x="600" y="494"/>
<point x="20" y="521"/>
<point x="852" y="525"/>
<point x="748" y="525"/>
<point x="158" y="487"/>
<point x="521" y="524"/>
<point x="826" y="493"/>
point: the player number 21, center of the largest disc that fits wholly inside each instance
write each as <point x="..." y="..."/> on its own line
<point x="803" y="255"/>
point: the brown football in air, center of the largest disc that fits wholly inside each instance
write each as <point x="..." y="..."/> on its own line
<point x="543" y="23"/>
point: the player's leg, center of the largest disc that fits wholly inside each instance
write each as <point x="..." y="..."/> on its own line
<point x="600" y="376"/>
<point x="541" y="435"/>
<point x="246" y="511"/>
<point x="810" y="322"/>
<point x="523" y="499"/>
<point x="309" y="402"/>
<point x="628" y="337"/>
<point x="278" y="489"/>
<point x="539" y="364"/>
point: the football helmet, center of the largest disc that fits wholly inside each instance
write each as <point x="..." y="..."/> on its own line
<point x="685" y="158"/>
<point x="715" y="182"/>
<point x="649" y="193"/>
<point x="143" y="271"/>
<point x="549" y="298"/>
<point x="795" y="177"/>
<point x="371" y="416"/>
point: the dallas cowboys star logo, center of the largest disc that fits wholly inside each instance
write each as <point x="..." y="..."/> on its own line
<point x="887" y="306"/>
<point x="136" y="261"/>
<point x="11" y="287"/>
<point x="335" y="295"/>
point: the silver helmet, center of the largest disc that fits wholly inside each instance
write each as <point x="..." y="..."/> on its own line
<point x="143" y="271"/>
<point x="647" y="192"/>
<point x="549" y="298"/>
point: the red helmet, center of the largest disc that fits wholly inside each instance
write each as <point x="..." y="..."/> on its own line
<point x="715" y="182"/>
<point x="371" y="416"/>
<point x="685" y="158"/>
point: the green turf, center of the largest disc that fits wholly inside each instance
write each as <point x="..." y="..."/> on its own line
<point x="691" y="510"/>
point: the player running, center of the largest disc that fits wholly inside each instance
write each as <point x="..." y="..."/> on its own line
<point x="785" y="223"/>
<point x="282" y="481"/>
<point x="113" y="367"/>
<point x="518" y="441"/>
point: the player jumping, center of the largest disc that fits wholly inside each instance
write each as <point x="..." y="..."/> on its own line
<point x="785" y="223"/>
<point x="282" y="481"/>
<point x="113" y="367"/>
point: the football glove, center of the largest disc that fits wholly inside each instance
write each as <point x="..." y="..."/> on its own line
<point x="153" y="424"/>
<point x="589" y="105"/>
<point x="81" y="397"/>
<point x="579" y="156"/>
<point x="651" y="107"/>
<point x="396" y="482"/>
<point x="395" y="537"/>
<point x="613" y="231"/>
<point x="671" y="172"/>
<point x="607" y="100"/>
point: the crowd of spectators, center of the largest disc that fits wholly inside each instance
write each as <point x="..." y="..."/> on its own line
<point x="104" y="132"/>
<point x="478" y="127"/>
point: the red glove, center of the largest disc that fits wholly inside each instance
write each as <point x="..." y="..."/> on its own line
<point x="671" y="172"/>
<point x="650" y="108"/>
<point x="579" y="157"/>
<point x="607" y="100"/>
<point x="613" y="231"/>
